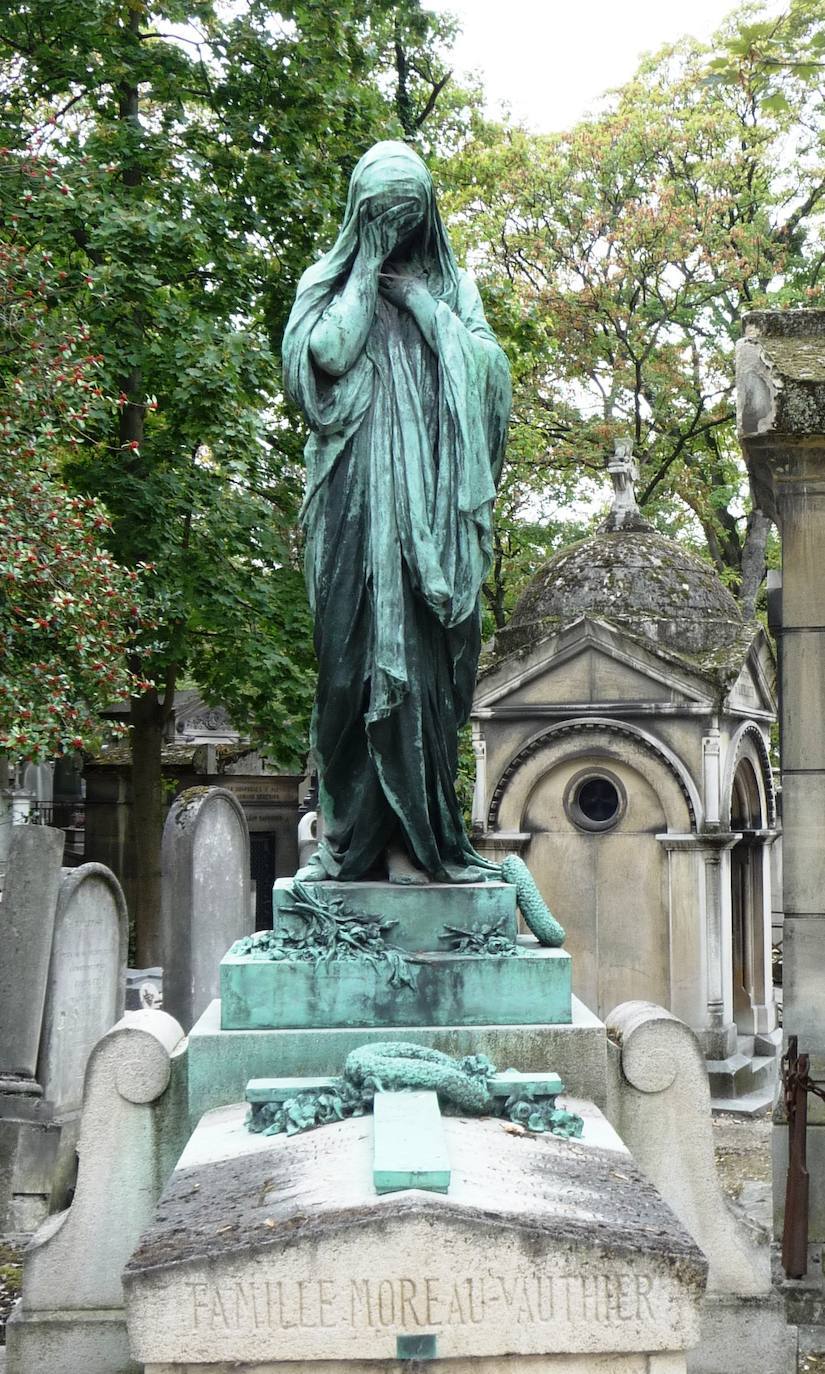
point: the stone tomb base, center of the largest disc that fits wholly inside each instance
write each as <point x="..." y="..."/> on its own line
<point x="522" y="983"/>
<point x="531" y="985"/>
<point x="266" y="1251"/>
<point x="513" y="1364"/>
<point x="221" y="1062"/>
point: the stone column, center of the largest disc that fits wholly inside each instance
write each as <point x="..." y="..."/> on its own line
<point x="780" y="374"/>
<point x="480" y="789"/>
<point x="710" y="1009"/>
<point x="780" y="369"/>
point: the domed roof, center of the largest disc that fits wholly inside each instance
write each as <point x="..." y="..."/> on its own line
<point x="637" y="579"/>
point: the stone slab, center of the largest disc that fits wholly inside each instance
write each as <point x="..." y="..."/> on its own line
<point x="657" y="1363"/>
<point x="285" y="1251"/>
<point x="26" y="927"/>
<point x="532" y="986"/>
<point x="222" y="1133"/>
<point x="87" y="977"/>
<point x="744" y="1336"/>
<point x="220" y="1063"/>
<point x="206" y="902"/>
<point x="71" y="1342"/>
<point x="409" y="1146"/>
<point x="420" y="912"/>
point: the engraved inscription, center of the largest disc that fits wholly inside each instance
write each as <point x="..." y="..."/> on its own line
<point x="409" y="1304"/>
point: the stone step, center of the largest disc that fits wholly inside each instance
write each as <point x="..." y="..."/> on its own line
<point x="740" y="1075"/>
<point x="812" y="1340"/>
<point x="749" y="1104"/>
<point x="221" y="1063"/>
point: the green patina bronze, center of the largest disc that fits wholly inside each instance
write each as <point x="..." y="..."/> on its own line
<point x="466" y="1087"/>
<point x="537" y="915"/>
<point x="407" y="397"/>
<point x="483" y="937"/>
<point x="328" y="928"/>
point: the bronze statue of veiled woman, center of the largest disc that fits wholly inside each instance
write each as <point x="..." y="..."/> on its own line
<point x="407" y="396"/>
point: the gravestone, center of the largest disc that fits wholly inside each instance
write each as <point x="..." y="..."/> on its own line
<point x="266" y="1250"/>
<point x="65" y="935"/>
<point x="206" y="896"/>
<point x="26" y="929"/>
<point x="87" y="979"/>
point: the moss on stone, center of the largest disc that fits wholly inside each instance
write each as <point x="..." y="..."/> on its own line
<point x="801" y="360"/>
<point x="643" y="581"/>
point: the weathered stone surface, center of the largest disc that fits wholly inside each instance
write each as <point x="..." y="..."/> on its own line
<point x="222" y="1062"/>
<point x="87" y="979"/>
<point x="531" y="987"/>
<point x="781" y="412"/>
<point x="26" y="926"/>
<point x="780" y="373"/>
<point x="206" y="902"/>
<point x="285" y="1251"/>
<point x="70" y="1317"/>
<point x="668" y="1363"/>
<point x="642" y="580"/>
<point x="420" y="912"/>
<point x="662" y="1112"/>
<point x="87" y="931"/>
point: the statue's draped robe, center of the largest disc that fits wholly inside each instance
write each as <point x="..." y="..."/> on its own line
<point x="402" y="462"/>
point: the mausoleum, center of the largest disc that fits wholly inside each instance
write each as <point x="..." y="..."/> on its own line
<point x="622" y="732"/>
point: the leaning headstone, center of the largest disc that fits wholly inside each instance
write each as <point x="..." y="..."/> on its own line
<point x="206" y="896"/>
<point x="63" y="967"/>
<point x="26" y="928"/>
<point x="70" y="1317"/>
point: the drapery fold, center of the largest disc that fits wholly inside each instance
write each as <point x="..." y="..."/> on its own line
<point x="404" y="453"/>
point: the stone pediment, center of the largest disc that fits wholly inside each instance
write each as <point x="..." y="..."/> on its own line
<point x="592" y="662"/>
<point x="754" y="691"/>
<point x="285" y="1251"/>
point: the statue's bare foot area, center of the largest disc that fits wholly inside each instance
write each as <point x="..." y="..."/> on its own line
<point x="470" y="874"/>
<point x="312" y="872"/>
<point x="401" y="869"/>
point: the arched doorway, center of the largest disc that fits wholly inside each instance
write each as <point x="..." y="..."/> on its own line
<point x="747" y="896"/>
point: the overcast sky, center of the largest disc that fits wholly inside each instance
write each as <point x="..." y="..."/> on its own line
<point x="551" y="59"/>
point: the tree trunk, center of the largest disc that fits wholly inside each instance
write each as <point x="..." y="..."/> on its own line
<point x="753" y="560"/>
<point x="147" y="721"/>
<point x="147" y="714"/>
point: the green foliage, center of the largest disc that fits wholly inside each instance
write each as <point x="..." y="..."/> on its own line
<point x="199" y="161"/>
<point x="69" y="613"/>
<point x="616" y="261"/>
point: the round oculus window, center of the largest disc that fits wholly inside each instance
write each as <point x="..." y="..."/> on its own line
<point x="595" y="801"/>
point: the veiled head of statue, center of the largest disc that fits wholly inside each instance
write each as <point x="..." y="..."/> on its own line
<point x="389" y="174"/>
